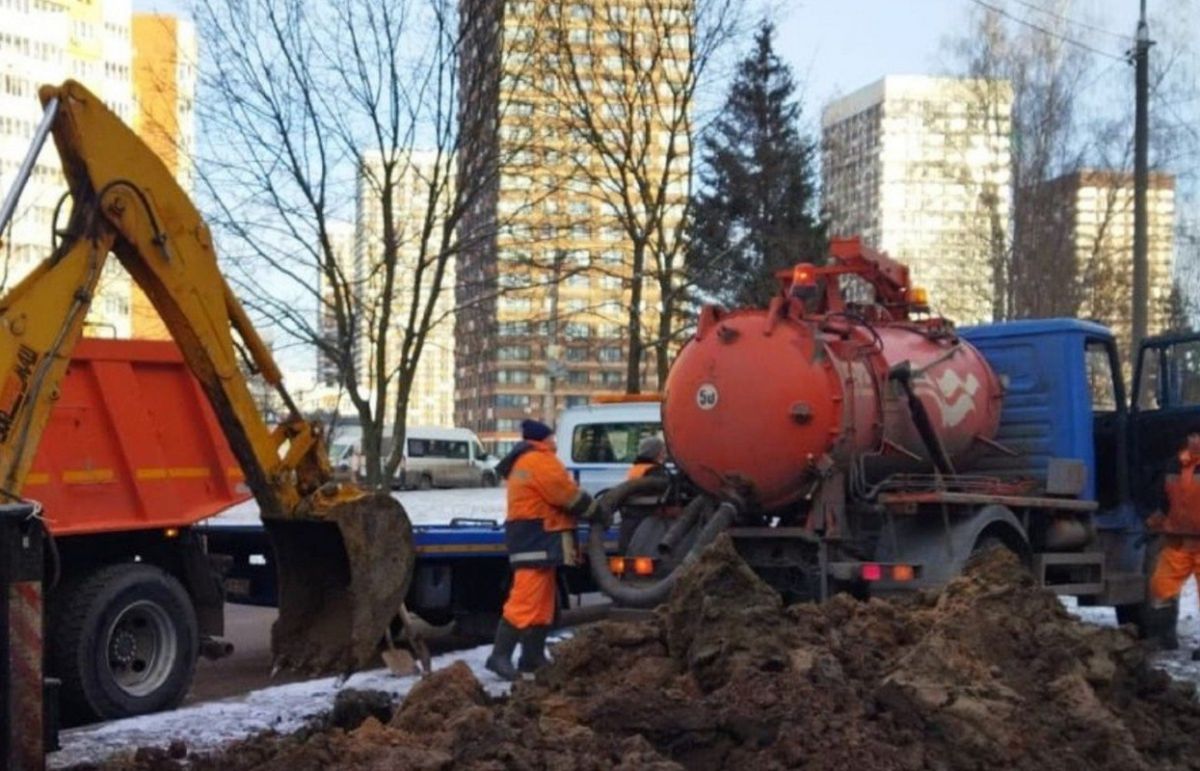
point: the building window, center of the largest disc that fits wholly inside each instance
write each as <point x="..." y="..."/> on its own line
<point x="513" y="353"/>
<point x="610" y="354"/>
<point x="513" y="328"/>
<point x="512" y="376"/>
<point x="577" y="329"/>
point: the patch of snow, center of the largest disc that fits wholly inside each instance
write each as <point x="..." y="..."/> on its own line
<point x="424" y="507"/>
<point x="283" y="708"/>
<point x="1178" y="663"/>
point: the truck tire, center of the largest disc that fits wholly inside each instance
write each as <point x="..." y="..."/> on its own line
<point x="425" y="482"/>
<point x="123" y="641"/>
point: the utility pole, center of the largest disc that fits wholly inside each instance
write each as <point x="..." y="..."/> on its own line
<point x="1141" y="174"/>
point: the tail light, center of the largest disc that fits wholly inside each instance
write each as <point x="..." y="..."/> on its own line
<point x="872" y="572"/>
<point x="903" y="573"/>
<point x="617" y="565"/>
<point x="643" y="566"/>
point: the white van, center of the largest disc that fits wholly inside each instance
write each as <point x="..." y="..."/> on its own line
<point x="433" y="457"/>
<point x="445" y="457"/>
<point x="598" y="442"/>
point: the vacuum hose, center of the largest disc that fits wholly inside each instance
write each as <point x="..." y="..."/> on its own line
<point x="650" y="595"/>
<point x="682" y="526"/>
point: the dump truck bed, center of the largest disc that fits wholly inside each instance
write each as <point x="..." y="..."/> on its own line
<point x="132" y="444"/>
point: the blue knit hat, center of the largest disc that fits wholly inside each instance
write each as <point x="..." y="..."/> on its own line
<point x="535" y="430"/>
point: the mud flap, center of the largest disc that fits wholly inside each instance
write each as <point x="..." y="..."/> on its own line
<point x="344" y="569"/>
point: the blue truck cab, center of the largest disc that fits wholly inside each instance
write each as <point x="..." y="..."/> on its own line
<point x="1066" y="419"/>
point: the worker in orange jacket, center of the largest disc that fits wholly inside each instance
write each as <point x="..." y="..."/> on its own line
<point x="651" y="455"/>
<point x="1180" y="526"/>
<point x="539" y="531"/>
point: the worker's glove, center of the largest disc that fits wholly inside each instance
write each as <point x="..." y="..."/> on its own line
<point x="580" y="505"/>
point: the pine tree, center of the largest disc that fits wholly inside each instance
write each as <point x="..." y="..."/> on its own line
<point x="754" y="213"/>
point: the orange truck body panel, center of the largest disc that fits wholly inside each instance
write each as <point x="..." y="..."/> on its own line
<point x="132" y="444"/>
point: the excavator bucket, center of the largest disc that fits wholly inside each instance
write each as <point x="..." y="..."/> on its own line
<point x="344" y="568"/>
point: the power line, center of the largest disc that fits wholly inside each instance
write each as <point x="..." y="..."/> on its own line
<point x="1044" y="31"/>
<point x="1127" y="39"/>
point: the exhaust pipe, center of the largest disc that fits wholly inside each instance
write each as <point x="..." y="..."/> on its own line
<point x="214" y="648"/>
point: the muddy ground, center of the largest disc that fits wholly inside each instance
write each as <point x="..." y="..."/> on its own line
<point x="991" y="672"/>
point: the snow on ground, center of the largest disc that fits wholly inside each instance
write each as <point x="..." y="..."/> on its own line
<point x="424" y="507"/>
<point x="283" y="708"/>
<point x="1178" y="663"/>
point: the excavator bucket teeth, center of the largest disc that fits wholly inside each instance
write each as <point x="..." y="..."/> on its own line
<point x="344" y="569"/>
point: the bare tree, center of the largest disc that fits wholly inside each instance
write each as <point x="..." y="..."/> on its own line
<point x="1063" y="128"/>
<point x="331" y="113"/>
<point x="1026" y="83"/>
<point x="626" y="86"/>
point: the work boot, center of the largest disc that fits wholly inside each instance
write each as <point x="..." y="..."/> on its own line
<point x="1159" y="621"/>
<point x="500" y="661"/>
<point x="533" y="649"/>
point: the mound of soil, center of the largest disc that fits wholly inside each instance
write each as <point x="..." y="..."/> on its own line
<point x="991" y="672"/>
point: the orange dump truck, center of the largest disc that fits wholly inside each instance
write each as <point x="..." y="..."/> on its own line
<point x="132" y="457"/>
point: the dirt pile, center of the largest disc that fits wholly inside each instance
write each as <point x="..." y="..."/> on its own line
<point x="990" y="673"/>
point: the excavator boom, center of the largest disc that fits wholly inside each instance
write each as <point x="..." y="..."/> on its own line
<point x="344" y="555"/>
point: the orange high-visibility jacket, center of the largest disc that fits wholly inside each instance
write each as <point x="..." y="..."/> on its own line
<point x="543" y="501"/>
<point x="1183" y="496"/>
<point x="641" y="468"/>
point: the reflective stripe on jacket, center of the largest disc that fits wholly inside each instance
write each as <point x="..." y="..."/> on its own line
<point x="538" y="529"/>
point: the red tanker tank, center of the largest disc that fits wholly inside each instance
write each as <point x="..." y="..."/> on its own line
<point x="768" y="403"/>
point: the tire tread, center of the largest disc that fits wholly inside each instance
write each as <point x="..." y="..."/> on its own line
<point x="68" y="620"/>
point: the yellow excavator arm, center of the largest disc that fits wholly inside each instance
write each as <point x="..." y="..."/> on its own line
<point x="344" y="555"/>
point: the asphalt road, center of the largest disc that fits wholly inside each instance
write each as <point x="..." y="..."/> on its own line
<point x="249" y="629"/>
<point x="249" y="668"/>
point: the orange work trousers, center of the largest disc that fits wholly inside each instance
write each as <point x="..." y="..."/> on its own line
<point x="532" y="598"/>
<point x="1177" y="562"/>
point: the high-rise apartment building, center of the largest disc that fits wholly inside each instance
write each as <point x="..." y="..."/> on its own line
<point x="545" y="276"/>
<point x="48" y="41"/>
<point x="1090" y="229"/>
<point x="920" y="167"/>
<point x="164" y="82"/>
<point x="431" y="402"/>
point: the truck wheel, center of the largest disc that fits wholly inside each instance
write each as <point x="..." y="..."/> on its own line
<point x="425" y="482"/>
<point x="489" y="479"/>
<point x="124" y="642"/>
